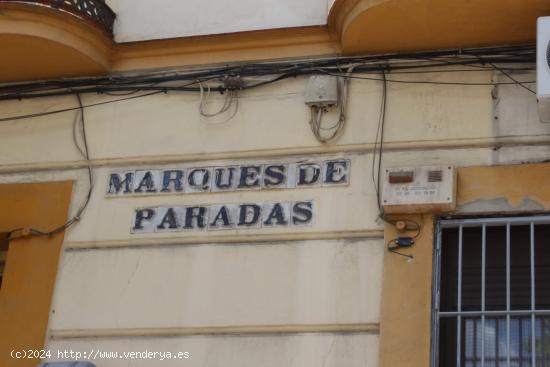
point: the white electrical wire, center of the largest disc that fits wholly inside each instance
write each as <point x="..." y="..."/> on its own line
<point x="231" y="99"/>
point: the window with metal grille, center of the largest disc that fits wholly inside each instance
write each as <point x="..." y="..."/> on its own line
<point x="492" y="293"/>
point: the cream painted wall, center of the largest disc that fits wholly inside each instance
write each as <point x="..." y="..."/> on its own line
<point x="269" y="118"/>
<point x="354" y="350"/>
<point x="175" y="280"/>
<point x="139" y="20"/>
<point x="282" y="283"/>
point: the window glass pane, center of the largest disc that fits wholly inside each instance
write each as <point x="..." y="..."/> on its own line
<point x="496" y="348"/>
<point x="471" y="341"/>
<point x="542" y="267"/>
<point x="542" y="340"/>
<point x="449" y="270"/>
<point x="520" y="341"/>
<point x="495" y="341"/>
<point x="520" y="268"/>
<point x="471" y="269"/>
<point x="495" y="268"/>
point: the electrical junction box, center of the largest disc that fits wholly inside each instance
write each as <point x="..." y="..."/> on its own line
<point x="322" y="91"/>
<point x="543" y="68"/>
<point x="424" y="189"/>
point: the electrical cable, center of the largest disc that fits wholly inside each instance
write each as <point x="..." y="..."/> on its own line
<point x="40" y="114"/>
<point x="378" y="147"/>
<point x="162" y="88"/>
<point x="85" y="152"/>
<point x="521" y="84"/>
<point x="123" y="94"/>
<point x="112" y="85"/>
<point x="429" y="82"/>
<point x="376" y="170"/>
<point x="230" y="96"/>
<point x="448" y="71"/>
<point x="158" y="91"/>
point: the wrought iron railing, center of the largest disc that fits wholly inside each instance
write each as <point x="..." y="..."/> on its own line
<point x="95" y="11"/>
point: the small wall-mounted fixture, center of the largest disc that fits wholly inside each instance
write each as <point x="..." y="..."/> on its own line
<point x="322" y="91"/>
<point x="419" y="189"/>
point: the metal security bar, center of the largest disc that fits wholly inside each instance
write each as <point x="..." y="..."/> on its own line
<point x="504" y="327"/>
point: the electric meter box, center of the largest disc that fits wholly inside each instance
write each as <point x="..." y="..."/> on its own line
<point x="423" y="189"/>
<point x="321" y="91"/>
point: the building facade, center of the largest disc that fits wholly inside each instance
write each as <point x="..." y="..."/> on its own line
<point x="205" y="185"/>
